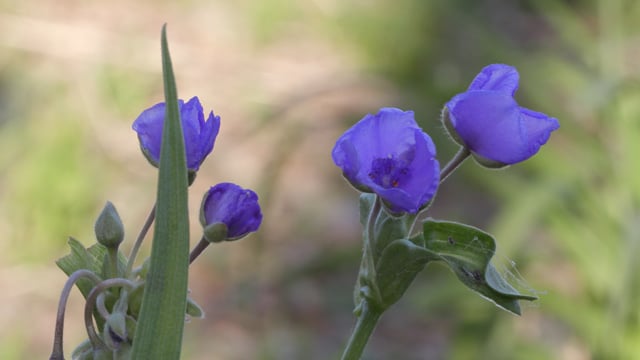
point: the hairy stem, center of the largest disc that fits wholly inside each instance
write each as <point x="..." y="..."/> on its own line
<point x="453" y="164"/>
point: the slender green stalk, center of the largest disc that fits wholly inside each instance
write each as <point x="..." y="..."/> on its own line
<point x="57" y="353"/>
<point x="138" y="243"/>
<point x="367" y="321"/>
<point x="112" y="253"/>
<point x="202" y="244"/>
<point x="453" y="164"/>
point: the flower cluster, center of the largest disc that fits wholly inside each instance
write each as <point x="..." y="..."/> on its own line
<point x="224" y="203"/>
<point x="389" y="155"/>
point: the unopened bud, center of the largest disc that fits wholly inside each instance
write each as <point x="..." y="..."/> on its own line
<point x="108" y="228"/>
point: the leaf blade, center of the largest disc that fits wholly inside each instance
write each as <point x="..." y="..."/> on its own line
<point x="161" y="322"/>
<point x="468" y="252"/>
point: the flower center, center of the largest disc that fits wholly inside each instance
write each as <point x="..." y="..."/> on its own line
<point x="389" y="172"/>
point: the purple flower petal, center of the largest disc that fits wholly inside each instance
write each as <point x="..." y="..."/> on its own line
<point x="497" y="77"/>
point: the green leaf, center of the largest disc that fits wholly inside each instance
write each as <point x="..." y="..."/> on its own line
<point x="468" y="252"/>
<point x="398" y="266"/>
<point x="161" y="323"/>
<point x="92" y="259"/>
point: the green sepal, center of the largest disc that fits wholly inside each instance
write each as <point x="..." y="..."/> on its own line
<point x="193" y="309"/>
<point x="216" y="232"/>
<point x="398" y="266"/>
<point x="445" y="118"/>
<point x="468" y="252"/>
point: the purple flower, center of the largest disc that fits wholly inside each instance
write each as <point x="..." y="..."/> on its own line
<point x="233" y="206"/>
<point x="390" y="155"/>
<point x="199" y="135"/>
<point x="487" y="120"/>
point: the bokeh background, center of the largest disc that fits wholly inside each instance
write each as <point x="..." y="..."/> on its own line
<point x="288" y="77"/>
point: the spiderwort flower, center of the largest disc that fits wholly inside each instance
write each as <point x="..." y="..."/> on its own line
<point x="199" y="135"/>
<point x="388" y="154"/>
<point x="487" y="120"/>
<point x="229" y="212"/>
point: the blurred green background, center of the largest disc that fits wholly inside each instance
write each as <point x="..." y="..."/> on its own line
<point x="288" y="77"/>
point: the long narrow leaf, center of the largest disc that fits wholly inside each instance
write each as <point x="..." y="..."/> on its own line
<point x="159" y="331"/>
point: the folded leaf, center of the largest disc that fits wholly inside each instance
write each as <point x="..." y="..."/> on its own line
<point x="468" y="252"/>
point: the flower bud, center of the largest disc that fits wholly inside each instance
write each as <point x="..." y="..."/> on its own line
<point x="115" y="330"/>
<point x="108" y="228"/>
<point x="229" y="212"/>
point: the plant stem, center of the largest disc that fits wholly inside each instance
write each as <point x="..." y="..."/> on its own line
<point x="202" y="244"/>
<point x="138" y="243"/>
<point x="57" y="353"/>
<point x="367" y="321"/>
<point x="113" y="262"/>
<point x="453" y="164"/>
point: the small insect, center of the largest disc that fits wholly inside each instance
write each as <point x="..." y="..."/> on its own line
<point x="451" y="241"/>
<point x="477" y="276"/>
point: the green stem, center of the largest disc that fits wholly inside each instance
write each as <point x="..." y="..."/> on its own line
<point x="113" y="262"/>
<point x="367" y="321"/>
<point x="453" y="164"/>
<point x="198" y="249"/>
<point x="138" y="243"/>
